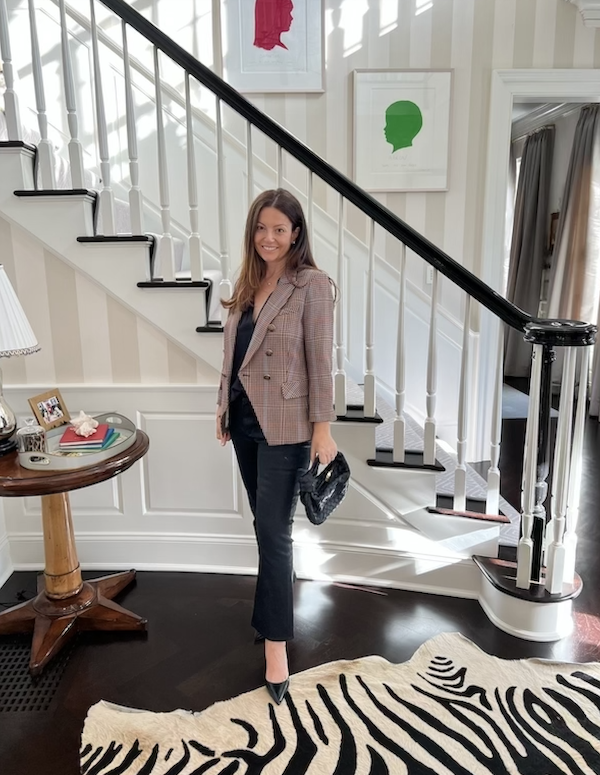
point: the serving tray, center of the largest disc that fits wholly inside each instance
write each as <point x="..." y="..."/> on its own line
<point x="54" y="459"/>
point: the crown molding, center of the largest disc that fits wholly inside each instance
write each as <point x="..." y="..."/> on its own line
<point x="589" y="10"/>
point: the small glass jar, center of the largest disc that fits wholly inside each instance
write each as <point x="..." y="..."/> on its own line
<point x="31" y="438"/>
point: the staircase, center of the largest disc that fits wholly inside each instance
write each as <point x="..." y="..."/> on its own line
<point x="393" y="529"/>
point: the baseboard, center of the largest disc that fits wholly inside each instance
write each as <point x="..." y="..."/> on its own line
<point x="6" y="564"/>
<point x="326" y="561"/>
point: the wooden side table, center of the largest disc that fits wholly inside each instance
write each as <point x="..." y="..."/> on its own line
<point x="65" y="603"/>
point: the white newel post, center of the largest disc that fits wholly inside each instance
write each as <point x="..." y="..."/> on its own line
<point x="135" y="193"/>
<point x="525" y="546"/>
<point x="340" y="350"/>
<point x="492" y="503"/>
<point x="75" y="147"/>
<point x="11" y="104"/>
<point x="106" y="198"/>
<point x="225" y="285"/>
<point x="555" y="566"/>
<point x="194" y="242"/>
<point x="369" y="387"/>
<point x="460" y="475"/>
<point x="570" y="538"/>
<point x="166" y="255"/>
<point x="44" y="148"/>
<point x="431" y="399"/>
<point x="399" y="451"/>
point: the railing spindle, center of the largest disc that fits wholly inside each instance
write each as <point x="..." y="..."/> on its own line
<point x="492" y="503"/>
<point x="135" y="192"/>
<point x="44" y="149"/>
<point x="225" y="285"/>
<point x="309" y="210"/>
<point x="340" y="350"/>
<point x="75" y="147"/>
<point x="106" y="198"/>
<point x="525" y="546"/>
<point x="460" y="474"/>
<point x="369" y="387"/>
<point x="194" y="242"/>
<point x="431" y="400"/>
<point x="555" y="566"/>
<point x="399" y="443"/>
<point x="249" y="163"/>
<point x="279" y="166"/>
<point x="570" y="537"/>
<point x="11" y="103"/>
<point x="166" y="256"/>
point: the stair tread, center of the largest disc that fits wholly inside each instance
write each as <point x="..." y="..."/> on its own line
<point x="41" y="192"/>
<point x="384" y="458"/>
<point x="356" y="413"/>
<point x="476" y="515"/>
<point x="502" y="574"/>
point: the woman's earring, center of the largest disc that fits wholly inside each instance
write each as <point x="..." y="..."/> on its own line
<point x="294" y="242"/>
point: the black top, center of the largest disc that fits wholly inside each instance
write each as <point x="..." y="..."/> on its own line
<point x="245" y="330"/>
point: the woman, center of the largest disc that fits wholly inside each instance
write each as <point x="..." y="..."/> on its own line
<point x="275" y="399"/>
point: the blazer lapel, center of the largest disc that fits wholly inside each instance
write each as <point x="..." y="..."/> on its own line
<point x="229" y="341"/>
<point x="271" y="308"/>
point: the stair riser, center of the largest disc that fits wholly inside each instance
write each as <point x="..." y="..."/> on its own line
<point x="466" y="537"/>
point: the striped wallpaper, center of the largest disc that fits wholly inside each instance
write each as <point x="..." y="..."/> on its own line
<point x="88" y="337"/>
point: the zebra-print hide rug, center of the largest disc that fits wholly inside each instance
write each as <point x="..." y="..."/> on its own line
<point x="451" y="709"/>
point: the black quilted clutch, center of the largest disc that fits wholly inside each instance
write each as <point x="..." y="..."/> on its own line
<point x="322" y="493"/>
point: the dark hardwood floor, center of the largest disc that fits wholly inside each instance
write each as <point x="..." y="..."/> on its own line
<point x="199" y="647"/>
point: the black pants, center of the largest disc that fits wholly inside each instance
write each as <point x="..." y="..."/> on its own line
<point x="270" y="475"/>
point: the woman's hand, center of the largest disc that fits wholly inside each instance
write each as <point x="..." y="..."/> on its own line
<point x="222" y="436"/>
<point x="322" y="444"/>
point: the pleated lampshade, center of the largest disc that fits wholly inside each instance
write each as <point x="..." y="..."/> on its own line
<point x="16" y="336"/>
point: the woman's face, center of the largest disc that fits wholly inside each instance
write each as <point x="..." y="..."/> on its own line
<point x="274" y="236"/>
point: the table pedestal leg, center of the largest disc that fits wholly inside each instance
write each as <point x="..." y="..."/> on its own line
<point x="65" y="603"/>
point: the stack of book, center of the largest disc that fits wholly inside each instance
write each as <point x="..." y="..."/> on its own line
<point x="102" y="438"/>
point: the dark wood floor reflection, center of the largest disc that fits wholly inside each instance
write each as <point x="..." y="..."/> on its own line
<point x="199" y="647"/>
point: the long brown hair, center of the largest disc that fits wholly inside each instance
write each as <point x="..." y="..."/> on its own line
<point x="253" y="267"/>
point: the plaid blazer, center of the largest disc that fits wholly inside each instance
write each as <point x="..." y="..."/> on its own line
<point x="287" y="371"/>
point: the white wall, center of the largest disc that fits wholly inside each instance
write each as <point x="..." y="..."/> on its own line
<point x="563" y="143"/>
<point x="6" y="566"/>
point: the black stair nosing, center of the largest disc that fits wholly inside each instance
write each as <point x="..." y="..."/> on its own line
<point x="413" y="459"/>
<point x="213" y="327"/>
<point x="173" y="284"/>
<point x="476" y="516"/>
<point x="17" y="144"/>
<point x="41" y="192"/>
<point x="116" y="238"/>
<point x="502" y="574"/>
<point x="356" y="413"/>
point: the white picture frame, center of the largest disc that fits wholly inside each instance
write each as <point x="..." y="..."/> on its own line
<point x="402" y="129"/>
<point x="269" y="58"/>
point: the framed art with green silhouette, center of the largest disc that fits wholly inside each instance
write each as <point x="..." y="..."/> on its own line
<point x="402" y="129"/>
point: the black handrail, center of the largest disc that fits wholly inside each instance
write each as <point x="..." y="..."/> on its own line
<point x="557" y="332"/>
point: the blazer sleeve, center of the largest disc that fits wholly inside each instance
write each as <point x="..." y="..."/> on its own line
<point x="318" y="348"/>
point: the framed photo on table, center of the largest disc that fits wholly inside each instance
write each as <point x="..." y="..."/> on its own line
<point x="402" y="129"/>
<point x="273" y="45"/>
<point x="50" y="409"/>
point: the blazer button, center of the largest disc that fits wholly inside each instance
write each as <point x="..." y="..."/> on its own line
<point x="267" y="376"/>
<point x="269" y="352"/>
<point x="270" y="327"/>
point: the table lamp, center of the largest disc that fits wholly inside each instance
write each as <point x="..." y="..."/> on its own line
<point x="16" y="338"/>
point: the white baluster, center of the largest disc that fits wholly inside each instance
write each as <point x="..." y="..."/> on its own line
<point x="399" y="420"/>
<point x="369" y="387"/>
<point x="75" y="147"/>
<point x="309" y="210"/>
<point x="195" y="243"/>
<point x="166" y="256"/>
<point x="492" y="503"/>
<point x="279" y="166"/>
<point x="555" y="569"/>
<point x="225" y="285"/>
<point x="429" y="430"/>
<point x="249" y="163"/>
<point x="525" y="546"/>
<point x="11" y="103"/>
<point x="460" y="474"/>
<point x="340" y="350"/>
<point x="135" y="193"/>
<point x="570" y="537"/>
<point x="44" y="149"/>
<point x="106" y="200"/>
